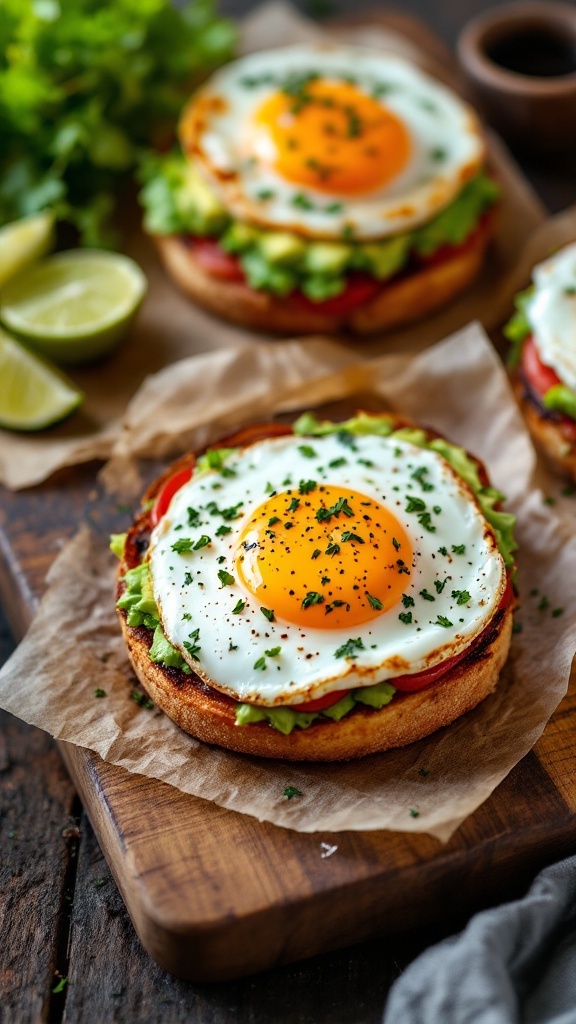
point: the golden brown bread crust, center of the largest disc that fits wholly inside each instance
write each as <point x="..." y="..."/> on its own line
<point x="400" y="302"/>
<point x="547" y="434"/>
<point x="210" y="715"/>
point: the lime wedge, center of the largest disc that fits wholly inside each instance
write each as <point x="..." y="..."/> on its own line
<point x="32" y="394"/>
<point x="74" y="306"/>
<point x="24" y="241"/>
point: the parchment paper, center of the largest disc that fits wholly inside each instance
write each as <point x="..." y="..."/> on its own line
<point x="74" y="646"/>
<point x="170" y="327"/>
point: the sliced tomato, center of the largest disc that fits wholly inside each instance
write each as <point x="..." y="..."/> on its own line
<point x="173" y="484"/>
<point x="419" y="680"/>
<point x="359" y="288"/>
<point x="322" y="702"/>
<point x="215" y="261"/>
<point x="539" y="376"/>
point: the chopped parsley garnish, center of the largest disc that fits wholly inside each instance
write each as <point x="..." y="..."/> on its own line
<point x="458" y="549"/>
<point x="265" y="193"/>
<point x="202" y="542"/>
<point x="188" y="580"/>
<point x="99" y="693"/>
<point x="268" y="614"/>
<point x="440" y="586"/>
<point x="427" y="597"/>
<point x="365" y="462"/>
<point x="288" y="525"/>
<point x="325" y="580"/>
<point x="405" y="617"/>
<point x="193" y="516"/>
<point x="307" y="451"/>
<point x="223" y="530"/>
<point x="182" y="546"/>
<point x="374" y="602"/>
<point x="336" y="463"/>
<point x="461" y="596"/>
<point x="336" y="604"/>
<point x="544" y="604"/>
<point x="348" y="649"/>
<point x="423" y="772"/>
<point x="238" y="607"/>
<point x="226" y="579"/>
<point x="333" y="208"/>
<point x="407" y="601"/>
<point x="347" y="439"/>
<point x="186" y="617"/>
<point x="301" y="201"/>
<point x="193" y="647"/>
<point x="273" y="520"/>
<point x="226" y="513"/>
<point x="413" y="812"/>
<point x="306" y="486"/>
<point x="332" y="549"/>
<point x="273" y="652"/>
<point x="438" y="155"/>
<point x="419" y="475"/>
<point x="292" y="791"/>
<point x="316" y="553"/>
<point x="442" y="551"/>
<point x="142" y="700"/>
<point x="437" y="510"/>
<point x="312" y="597"/>
<point x="293" y="504"/>
<point x="260" y="664"/>
<point x="425" y="520"/>
<point x="556" y="612"/>
<point x="348" y="535"/>
<point x="443" y="621"/>
<point x="396" y="543"/>
<point x="323" y="515"/>
<point x="414" y="504"/>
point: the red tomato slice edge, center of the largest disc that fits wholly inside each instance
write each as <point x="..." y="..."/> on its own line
<point x="173" y="484"/>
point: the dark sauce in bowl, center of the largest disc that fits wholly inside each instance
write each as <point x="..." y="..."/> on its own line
<point x="534" y="52"/>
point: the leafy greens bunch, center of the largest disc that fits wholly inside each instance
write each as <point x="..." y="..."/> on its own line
<point x="84" y="86"/>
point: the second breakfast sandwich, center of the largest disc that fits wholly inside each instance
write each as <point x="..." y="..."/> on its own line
<point x="322" y="189"/>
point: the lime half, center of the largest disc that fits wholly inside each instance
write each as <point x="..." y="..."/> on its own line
<point x="32" y="395"/>
<point x="74" y="306"/>
<point x="23" y="242"/>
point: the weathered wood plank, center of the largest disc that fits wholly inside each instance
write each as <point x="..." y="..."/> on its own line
<point x="37" y="837"/>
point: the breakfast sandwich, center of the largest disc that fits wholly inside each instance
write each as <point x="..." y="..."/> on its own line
<point x="543" y="357"/>
<point x="321" y="189"/>
<point x="321" y="591"/>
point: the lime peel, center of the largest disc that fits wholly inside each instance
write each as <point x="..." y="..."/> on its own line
<point x="76" y="305"/>
<point x="24" y="241"/>
<point x="33" y="395"/>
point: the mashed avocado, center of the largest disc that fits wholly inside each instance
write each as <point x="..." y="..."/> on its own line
<point x="176" y="200"/>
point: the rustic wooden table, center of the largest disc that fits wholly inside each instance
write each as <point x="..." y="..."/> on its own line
<point x="61" y="915"/>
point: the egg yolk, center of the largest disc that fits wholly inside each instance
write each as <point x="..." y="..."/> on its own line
<point x="333" y="137"/>
<point x="329" y="559"/>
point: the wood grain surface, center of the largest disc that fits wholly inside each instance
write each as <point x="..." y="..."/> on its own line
<point x="60" y="911"/>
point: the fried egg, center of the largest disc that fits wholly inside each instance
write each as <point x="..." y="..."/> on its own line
<point x="332" y="142"/>
<point x="305" y="566"/>
<point x="551" y="313"/>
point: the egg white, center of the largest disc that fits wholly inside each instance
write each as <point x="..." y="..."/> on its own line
<point x="307" y="667"/>
<point x="446" y="140"/>
<point x="551" y="313"/>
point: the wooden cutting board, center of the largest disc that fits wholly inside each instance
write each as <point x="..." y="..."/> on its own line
<point x="214" y="894"/>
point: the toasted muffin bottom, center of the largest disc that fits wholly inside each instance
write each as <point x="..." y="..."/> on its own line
<point x="401" y="301"/>
<point x="547" y="433"/>
<point x="210" y="716"/>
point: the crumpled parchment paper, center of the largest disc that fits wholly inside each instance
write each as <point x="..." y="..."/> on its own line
<point x="74" y="646"/>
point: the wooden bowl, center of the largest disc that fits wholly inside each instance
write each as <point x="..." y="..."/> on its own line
<point x="520" y="62"/>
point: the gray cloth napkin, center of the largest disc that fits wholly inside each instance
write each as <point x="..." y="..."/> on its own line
<point x="514" y="964"/>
